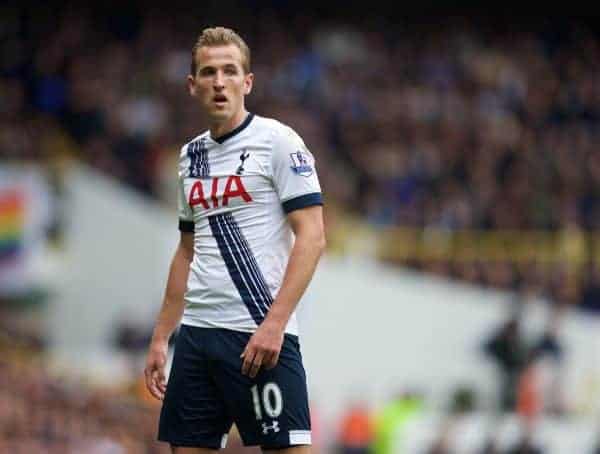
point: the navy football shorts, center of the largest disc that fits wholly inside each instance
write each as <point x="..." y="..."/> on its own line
<point x="207" y="392"/>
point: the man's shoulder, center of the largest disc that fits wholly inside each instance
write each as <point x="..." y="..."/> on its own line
<point x="267" y="122"/>
<point x="196" y="139"/>
<point x="277" y="129"/>
<point x="183" y="152"/>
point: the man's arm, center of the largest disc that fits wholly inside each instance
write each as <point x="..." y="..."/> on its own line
<point x="265" y="344"/>
<point x="169" y="316"/>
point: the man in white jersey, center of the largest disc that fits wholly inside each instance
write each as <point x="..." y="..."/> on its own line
<point x="250" y="216"/>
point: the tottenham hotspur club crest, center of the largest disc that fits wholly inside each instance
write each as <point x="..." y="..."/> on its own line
<point x="243" y="157"/>
<point x="300" y="164"/>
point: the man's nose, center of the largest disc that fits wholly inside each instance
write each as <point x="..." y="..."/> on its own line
<point x="218" y="80"/>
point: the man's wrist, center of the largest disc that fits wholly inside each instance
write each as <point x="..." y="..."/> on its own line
<point x="276" y="319"/>
<point x="160" y="338"/>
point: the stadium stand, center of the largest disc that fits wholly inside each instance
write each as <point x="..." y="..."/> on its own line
<point x="467" y="148"/>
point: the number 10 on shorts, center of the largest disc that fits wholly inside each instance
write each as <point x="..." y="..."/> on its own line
<point x="272" y="401"/>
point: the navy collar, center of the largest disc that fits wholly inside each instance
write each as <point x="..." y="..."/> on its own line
<point x="235" y="131"/>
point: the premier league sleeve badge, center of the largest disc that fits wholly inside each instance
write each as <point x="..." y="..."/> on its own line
<point x="301" y="164"/>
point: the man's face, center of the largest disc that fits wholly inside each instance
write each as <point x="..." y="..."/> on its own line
<point x="220" y="83"/>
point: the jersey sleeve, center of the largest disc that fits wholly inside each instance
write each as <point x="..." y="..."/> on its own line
<point x="186" y="220"/>
<point x="294" y="173"/>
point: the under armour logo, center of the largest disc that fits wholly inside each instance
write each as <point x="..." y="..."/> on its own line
<point x="243" y="157"/>
<point x="274" y="427"/>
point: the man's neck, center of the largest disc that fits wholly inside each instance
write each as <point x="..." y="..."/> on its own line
<point x="220" y="129"/>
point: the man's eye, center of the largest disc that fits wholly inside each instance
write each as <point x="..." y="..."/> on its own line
<point x="230" y="71"/>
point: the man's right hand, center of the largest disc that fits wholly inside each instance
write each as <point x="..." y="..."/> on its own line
<point x="155" y="369"/>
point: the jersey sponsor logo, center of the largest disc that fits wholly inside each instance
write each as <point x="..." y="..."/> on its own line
<point x="245" y="155"/>
<point x="301" y="164"/>
<point x="234" y="187"/>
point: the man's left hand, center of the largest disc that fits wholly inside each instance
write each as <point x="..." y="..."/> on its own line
<point x="262" y="349"/>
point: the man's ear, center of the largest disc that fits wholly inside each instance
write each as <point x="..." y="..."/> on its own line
<point x="249" y="81"/>
<point x="191" y="85"/>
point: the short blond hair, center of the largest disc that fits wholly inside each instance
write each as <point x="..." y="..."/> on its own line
<point x="221" y="36"/>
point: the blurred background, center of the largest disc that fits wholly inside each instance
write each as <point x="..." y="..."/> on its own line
<point x="457" y="309"/>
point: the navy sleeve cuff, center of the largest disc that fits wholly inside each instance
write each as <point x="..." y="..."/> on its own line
<point x="186" y="226"/>
<point x="303" y="201"/>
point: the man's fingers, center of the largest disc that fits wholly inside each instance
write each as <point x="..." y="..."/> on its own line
<point x="157" y="385"/>
<point x="271" y="361"/>
<point x="161" y="375"/>
<point x="148" y="377"/>
<point x="267" y="360"/>
<point x="162" y="382"/>
<point x="248" y="359"/>
<point x="153" y="388"/>
<point x="157" y="393"/>
<point x="155" y="380"/>
<point x="255" y="366"/>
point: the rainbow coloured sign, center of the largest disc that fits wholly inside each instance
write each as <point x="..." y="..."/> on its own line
<point x="12" y="225"/>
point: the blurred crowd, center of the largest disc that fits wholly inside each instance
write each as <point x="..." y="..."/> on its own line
<point x="44" y="414"/>
<point x="461" y="124"/>
<point x="464" y="124"/>
<point x="48" y="410"/>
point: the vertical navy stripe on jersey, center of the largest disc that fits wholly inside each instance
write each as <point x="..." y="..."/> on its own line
<point x="235" y="266"/>
<point x="263" y="289"/>
<point x="198" y="154"/>
<point x="261" y="295"/>
<point x="243" y="266"/>
<point x="204" y="166"/>
<point x="193" y="158"/>
<point x="242" y="257"/>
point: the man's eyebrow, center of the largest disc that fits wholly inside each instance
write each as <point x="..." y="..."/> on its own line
<point x="225" y="65"/>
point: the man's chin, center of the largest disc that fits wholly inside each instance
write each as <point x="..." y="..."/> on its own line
<point x="219" y="114"/>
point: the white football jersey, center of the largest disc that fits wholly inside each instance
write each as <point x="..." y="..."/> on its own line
<point x="234" y="194"/>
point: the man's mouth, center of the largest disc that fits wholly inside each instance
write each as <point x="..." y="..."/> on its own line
<point x="220" y="98"/>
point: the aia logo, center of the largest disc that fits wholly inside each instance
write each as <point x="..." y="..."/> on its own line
<point x="233" y="188"/>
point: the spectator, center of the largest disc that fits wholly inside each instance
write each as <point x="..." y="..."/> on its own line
<point x="356" y="431"/>
<point x="465" y="130"/>
<point x="507" y="348"/>
<point x="525" y="446"/>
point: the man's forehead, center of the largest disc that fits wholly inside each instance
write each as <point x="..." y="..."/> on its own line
<point x="211" y="55"/>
